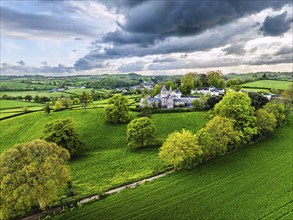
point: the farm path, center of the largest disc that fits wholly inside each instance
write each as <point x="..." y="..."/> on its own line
<point x="96" y="197"/>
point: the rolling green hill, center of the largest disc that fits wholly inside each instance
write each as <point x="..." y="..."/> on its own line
<point x="107" y="162"/>
<point x="273" y="84"/>
<point x="252" y="183"/>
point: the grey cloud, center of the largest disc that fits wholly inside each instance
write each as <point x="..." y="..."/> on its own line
<point x="78" y="38"/>
<point x="8" y="69"/>
<point x="236" y="49"/>
<point x="22" y="63"/>
<point x="164" y="60"/>
<point x="131" y="67"/>
<point x="13" y="20"/>
<point x="286" y="49"/>
<point x="269" y="59"/>
<point x="163" y="27"/>
<point x="90" y="61"/>
<point x="204" y="41"/>
<point x="161" y="19"/>
<point x="276" y="25"/>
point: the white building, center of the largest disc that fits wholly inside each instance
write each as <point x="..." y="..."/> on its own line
<point x="168" y="99"/>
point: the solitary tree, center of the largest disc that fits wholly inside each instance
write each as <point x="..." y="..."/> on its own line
<point x="66" y="103"/>
<point x="217" y="137"/>
<point x="118" y="111"/>
<point x="85" y="99"/>
<point x="57" y="106"/>
<point x="47" y="108"/>
<point x="181" y="150"/>
<point x="31" y="174"/>
<point x="140" y="132"/>
<point x="63" y="133"/>
<point x="28" y="98"/>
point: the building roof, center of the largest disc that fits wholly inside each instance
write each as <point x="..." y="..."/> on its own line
<point x="163" y="89"/>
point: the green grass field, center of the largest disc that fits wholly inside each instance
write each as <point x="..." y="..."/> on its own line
<point x="108" y="162"/>
<point x="34" y="93"/>
<point x="5" y="104"/>
<point x="273" y="84"/>
<point x="256" y="90"/>
<point x="252" y="183"/>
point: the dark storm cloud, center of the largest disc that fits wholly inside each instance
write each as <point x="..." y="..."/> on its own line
<point x="31" y="23"/>
<point x="151" y="26"/>
<point x="236" y="49"/>
<point x="162" y="19"/>
<point x="276" y="25"/>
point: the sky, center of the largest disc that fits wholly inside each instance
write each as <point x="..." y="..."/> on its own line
<point x="150" y="37"/>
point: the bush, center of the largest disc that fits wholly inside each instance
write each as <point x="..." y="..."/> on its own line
<point x="181" y="150"/>
<point x="63" y="133"/>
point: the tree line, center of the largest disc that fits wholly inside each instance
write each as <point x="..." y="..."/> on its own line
<point x="36" y="173"/>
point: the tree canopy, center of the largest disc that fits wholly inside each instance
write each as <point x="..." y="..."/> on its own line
<point x="140" y="131"/>
<point x="266" y="122"/>
<point x="63" y="133"/>
<point x="187" y="83"/>
<point x="218" y="136"/>
<point x="31" y="174"/>
<point x="181" y="150"/>
<point x="118" y="111"/>
<point x="85" y="99"/>
<point x="157" y="89"/>
<point x="237" y="106"/>
<point x="215" y="78"/>
<point x="278" y="109"/>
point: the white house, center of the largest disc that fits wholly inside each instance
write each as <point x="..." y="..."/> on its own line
<point x="168" y="99"/>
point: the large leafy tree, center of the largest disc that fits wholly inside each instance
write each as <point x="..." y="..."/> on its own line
<point x="278" y="109"/>
<point x="215" y="78"/>
<point x="181" y="150"/>
<point x="169" y="84"/>
<point x="187" y="82"/>
<point x="237" y="106"/>
<point x="218" y="136"/>
<point x="157" y="89"/>
<point x="85" y="99"/>
<point x="118" y="111"/>
<point x="31" y="174"/>
<point x="63" y="133"/>
<point x="140" y="131"/>
<point x="266" y="122"/>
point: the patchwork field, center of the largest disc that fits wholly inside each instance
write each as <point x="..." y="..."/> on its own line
<point x="107" y="162"/>
<point x="252" y="183"/>
<point x="6" y="104"/>
<point x="273" y="84"/>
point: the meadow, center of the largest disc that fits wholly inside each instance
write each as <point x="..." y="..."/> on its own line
<point x="107" y="161"/>
<point x="273" y="84"/>
<point x="254" y="182"/>
<point x="8" y="104"/>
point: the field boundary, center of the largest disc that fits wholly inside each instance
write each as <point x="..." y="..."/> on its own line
<point x="87" y="199"/>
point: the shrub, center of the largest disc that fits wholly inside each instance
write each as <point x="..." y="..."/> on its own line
<point x="181" y="150"/>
